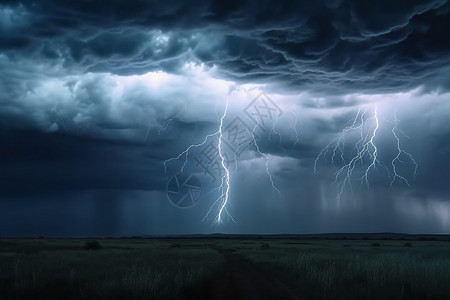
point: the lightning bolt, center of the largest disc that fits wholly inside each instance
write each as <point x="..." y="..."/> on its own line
<point x="371" y="149"/>
<point x="222" y="201"/>
<point x="167" y="123"/>
<point x="273" y="131"/>
<point x="356" y="123"/>
<point x="225" y="183"/>
<point x="401" y="152"/>
<point x="147" y="133"/>
<point x="365" y="147"/>
<point x="269" y="174"/>
<point x="224" y="187"/>
<point x="365" y="151"/>
<point x="163" y="127"/>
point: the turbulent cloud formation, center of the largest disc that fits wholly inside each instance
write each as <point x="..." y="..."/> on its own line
<point x="338" y="46"/>
<point x="94" y="97"/>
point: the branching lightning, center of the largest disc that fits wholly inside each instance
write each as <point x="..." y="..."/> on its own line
<point x="273" y="131"/>
<point x="371" y="149"/>
<point x="167" y="123"/>
<point x="163" y="127"/>
<point x="254" y="141"/>
<point x="185" y="153"/>
<point x="401" y="152"/>
<point x="224" y="187"/>
<point x="364" y="154"/>
<point x="225" y="182"/>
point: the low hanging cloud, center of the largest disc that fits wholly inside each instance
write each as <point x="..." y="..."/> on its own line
<point x="103" y="102"/>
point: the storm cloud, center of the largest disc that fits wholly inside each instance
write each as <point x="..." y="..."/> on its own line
<point x="336" y="46"/>
<point x="95" y="96"/>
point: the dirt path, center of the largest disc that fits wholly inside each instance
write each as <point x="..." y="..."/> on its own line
<point x="244" y="279"/>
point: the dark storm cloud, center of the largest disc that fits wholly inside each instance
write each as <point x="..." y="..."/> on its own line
<point x="338" y="46"/>
<point x="35" y="163"/>
<point x="71" y="130"/>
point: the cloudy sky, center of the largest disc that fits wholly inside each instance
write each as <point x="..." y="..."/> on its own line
<point x="328" y="116"/>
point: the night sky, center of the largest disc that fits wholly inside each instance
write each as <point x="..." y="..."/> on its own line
<point x="95" y="96"/>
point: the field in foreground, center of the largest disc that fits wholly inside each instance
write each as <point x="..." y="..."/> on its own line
<point x="223" y="269"/>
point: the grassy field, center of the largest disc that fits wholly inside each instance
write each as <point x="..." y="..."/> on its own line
<point x="361" y="269"/>
<point x="139" y="269"/>
<point x="166" y="269"/>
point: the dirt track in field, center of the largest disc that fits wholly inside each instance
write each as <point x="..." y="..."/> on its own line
<point x="243" y="279"/>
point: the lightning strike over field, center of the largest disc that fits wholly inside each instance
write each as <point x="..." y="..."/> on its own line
<point x="365" y="148"/>
<point x="223" y="189"/>
<point x="224" y="186"/>
<point x="225" y="181"/>
<point x="364" y="153"/>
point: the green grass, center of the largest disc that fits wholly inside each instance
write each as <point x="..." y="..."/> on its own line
<point x="164" y="269"/>
<point x="121" y="269"/>
<point x="362" y="269"/>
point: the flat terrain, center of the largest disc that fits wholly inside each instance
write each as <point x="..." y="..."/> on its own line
<point x="224" y="269"/>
